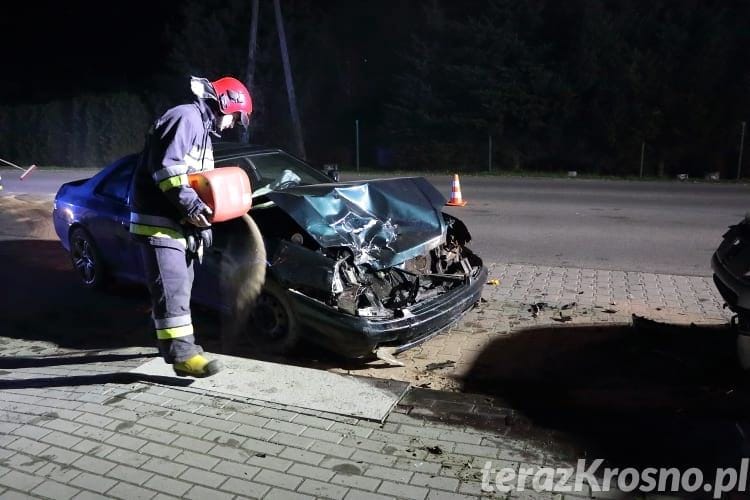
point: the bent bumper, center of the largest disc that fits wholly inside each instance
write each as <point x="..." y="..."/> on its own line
<point x="357" y="337"/>
<point x="731" y="266"/>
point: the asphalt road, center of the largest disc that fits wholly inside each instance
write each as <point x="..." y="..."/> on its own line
<point x="40" y="181"/>
<point x="663" y="227"/>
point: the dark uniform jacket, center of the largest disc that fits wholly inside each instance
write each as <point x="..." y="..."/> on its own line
<point x="178" y="144"/>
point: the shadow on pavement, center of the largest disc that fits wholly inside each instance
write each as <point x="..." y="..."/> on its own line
<point x="12" y="362"/>
<point x="99" y="378"/>
<point x="43" y="300"/>
<point x="650" y="395"/>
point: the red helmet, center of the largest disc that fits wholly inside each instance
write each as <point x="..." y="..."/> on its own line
<point x="233" y="97"/>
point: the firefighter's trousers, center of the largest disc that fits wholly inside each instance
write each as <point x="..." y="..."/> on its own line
<point x="169" y="275"/>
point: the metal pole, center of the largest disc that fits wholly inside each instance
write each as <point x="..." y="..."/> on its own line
<point x="742" y="147"/>
<point x="356" y="138"/>
<point x="489" y="152"/>
<point x="289" y="82"/>
<point x="643" y="150"/>
<point x="250" y="70"/>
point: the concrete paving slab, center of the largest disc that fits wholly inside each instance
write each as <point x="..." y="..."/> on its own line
<point x="360" y="397"/>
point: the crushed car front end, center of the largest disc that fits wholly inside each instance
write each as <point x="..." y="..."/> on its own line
<point x="373" y="264"/>
<point x="359" y="336"/>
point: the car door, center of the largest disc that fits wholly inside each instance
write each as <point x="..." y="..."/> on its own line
<point x="110" y="227"/>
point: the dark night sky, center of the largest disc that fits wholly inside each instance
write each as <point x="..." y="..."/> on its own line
<point x="580" y="82"/>
<point x="60" y="48"/>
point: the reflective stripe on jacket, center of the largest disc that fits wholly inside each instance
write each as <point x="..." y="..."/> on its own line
<point x="178" y="144"/>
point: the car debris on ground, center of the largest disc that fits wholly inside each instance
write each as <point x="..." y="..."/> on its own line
<point x="439" y="365"/>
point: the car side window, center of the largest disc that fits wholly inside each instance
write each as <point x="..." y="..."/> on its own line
<point x="277" y="168"/>
<point x="245" y="165"/>
<point x="117" y="184"/>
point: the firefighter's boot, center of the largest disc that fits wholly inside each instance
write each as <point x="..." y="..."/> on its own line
<point x="198" y="366"/>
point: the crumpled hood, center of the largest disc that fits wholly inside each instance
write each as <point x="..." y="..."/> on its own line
<point x="385" y="222"/>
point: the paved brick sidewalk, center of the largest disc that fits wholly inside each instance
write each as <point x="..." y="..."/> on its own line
<point x="68" y="429"/>
<point x="663" y="297"/>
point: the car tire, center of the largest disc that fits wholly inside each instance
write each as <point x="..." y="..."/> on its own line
<point x="273" y="326"/>
<point x="86" y="259"/>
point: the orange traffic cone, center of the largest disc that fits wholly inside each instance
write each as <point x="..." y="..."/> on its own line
<point x="456" y="200"/>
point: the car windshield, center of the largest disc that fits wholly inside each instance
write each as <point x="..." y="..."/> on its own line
<point x="273" y="171"/>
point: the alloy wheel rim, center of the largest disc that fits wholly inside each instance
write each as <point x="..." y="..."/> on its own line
<point x="83" y="260"/>
<point x="271" y="317"/>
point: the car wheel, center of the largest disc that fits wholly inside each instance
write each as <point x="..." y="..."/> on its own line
<point x="86" y="260"/>
<point x="273" y="326"/>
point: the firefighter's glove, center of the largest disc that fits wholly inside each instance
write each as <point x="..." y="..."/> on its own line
<point x="199" y="218"/>
<point x="198" y="239"/>
<point x="207" y="237"/>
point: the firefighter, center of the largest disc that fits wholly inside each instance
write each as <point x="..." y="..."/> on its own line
<point x="171" y="224"/>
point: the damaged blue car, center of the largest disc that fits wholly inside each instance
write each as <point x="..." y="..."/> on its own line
<point x="362" y="268"/>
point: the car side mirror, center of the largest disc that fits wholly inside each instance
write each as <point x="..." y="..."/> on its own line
<point x="332" y="171"/>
